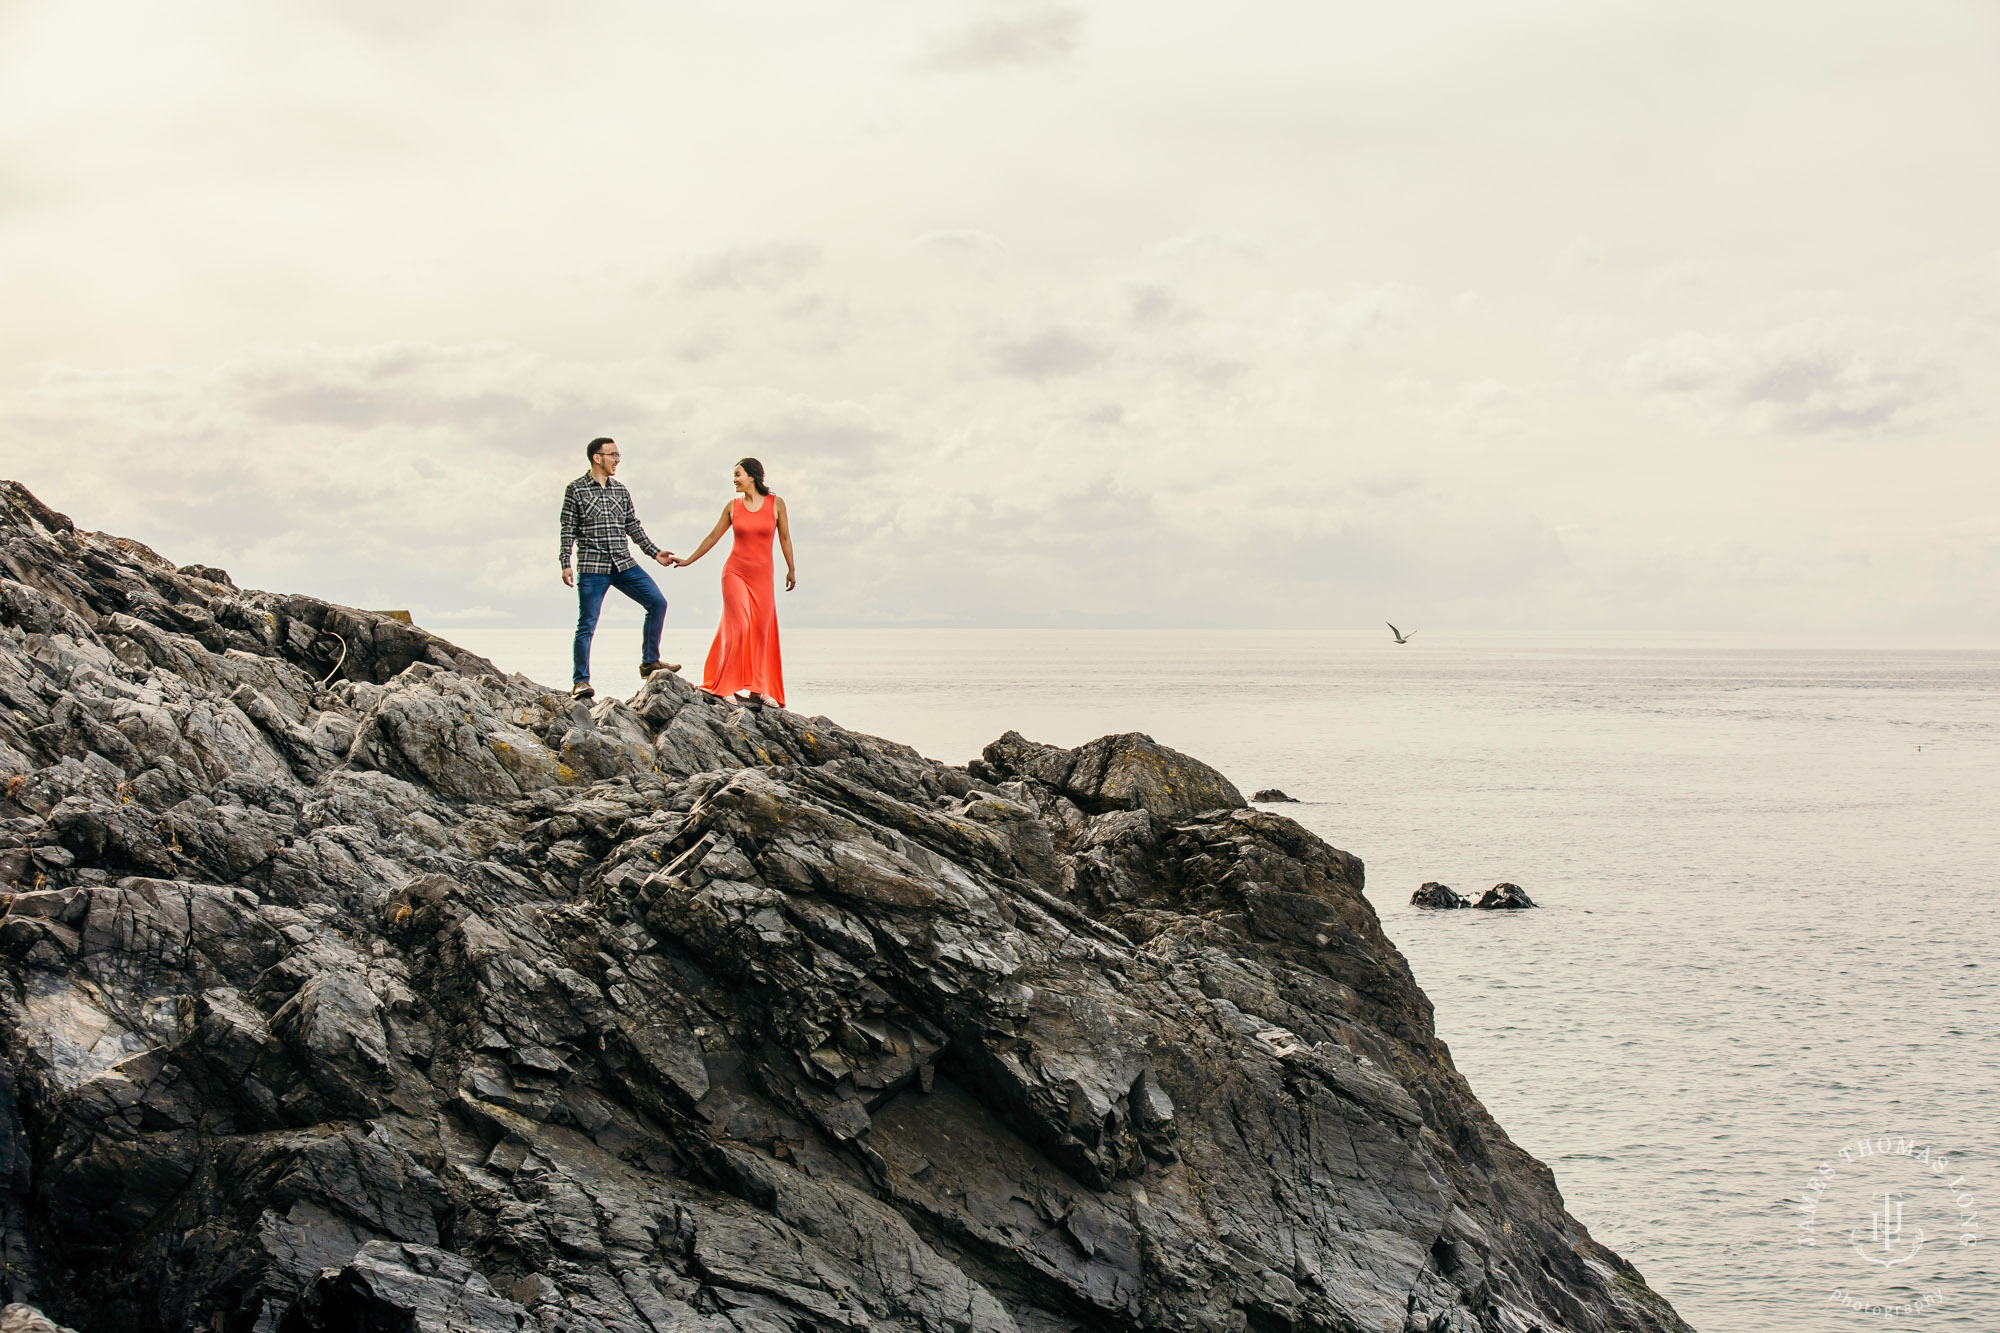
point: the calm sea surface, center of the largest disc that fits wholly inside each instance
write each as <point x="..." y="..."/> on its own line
<point x="1766" y="869"/>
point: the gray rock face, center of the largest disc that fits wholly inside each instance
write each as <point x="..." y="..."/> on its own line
<point x="357" y="985"/>
<point x="1129" y="772"/>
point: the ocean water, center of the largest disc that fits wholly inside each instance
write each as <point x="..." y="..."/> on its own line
<point x="1762" y="971"/>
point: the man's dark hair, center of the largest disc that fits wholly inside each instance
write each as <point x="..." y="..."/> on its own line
<point x="592" y="449"/>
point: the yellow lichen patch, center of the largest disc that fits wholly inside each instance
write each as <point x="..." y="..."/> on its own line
<point x="145" y="553"/>
<point x="502" y="746"/>
<point x="565" y="772"/>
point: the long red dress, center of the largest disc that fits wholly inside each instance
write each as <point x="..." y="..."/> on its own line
<point x="744" y="655"/>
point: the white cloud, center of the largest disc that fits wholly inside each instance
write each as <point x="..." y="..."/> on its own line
<point x="428" y="477"/>
<point x="1034" y="39"/>
<point x="1354" y="320"/>
<point x="961" y="238"/>
<point x="1053" y="353"/>
<point x="846" y="432"/>
<point x="1162" y="319"/>
<point x="750" y="268"/>
<point x="1215" y="372"/>
<point x="1801" y="380"/>
<point x="1149" y="305"/>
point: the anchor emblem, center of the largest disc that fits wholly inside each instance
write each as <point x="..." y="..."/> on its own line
<point x="1885" y="1230"/>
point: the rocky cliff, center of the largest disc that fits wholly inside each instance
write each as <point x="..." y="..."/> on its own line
<point x="350" y="983"/>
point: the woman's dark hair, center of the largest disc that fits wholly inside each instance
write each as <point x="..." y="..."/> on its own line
<point x="592" y="449"/>
<point x="756" y="471"/>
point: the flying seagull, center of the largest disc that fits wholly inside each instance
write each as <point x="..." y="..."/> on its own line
<point x="1400" y="636"/>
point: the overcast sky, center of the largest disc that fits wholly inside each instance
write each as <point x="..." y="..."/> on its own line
<point x="1552" y="313"/>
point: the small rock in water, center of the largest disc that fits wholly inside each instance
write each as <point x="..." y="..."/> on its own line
<point x="1272" y="796"/>
<point x="1505" y="896"/>
<point x="1434" y="894"/>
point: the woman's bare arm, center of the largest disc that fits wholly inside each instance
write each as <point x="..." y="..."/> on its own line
<point x="714" y="536"/>
<point x="785" y="544"/>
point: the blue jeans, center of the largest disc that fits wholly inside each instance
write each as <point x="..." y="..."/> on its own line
<point x="635" y="583"/>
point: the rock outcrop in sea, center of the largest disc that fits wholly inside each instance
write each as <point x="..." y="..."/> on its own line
<point x="1501" y="897"/>
<point x="347" y="982"/>
<point x="1433" y="894"/>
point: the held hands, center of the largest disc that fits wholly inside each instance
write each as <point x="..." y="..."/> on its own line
<point x="672" y="561"/>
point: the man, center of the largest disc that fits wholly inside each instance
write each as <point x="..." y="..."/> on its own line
<point x="597" y="516"/>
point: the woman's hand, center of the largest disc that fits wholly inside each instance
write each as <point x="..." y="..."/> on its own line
<point x="791" y="579"/>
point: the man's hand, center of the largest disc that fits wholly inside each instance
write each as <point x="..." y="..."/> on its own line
<point x="569" y="579"/>
<point x="666" y="558"/>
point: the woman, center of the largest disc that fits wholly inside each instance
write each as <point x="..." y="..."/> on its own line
<point x="743" y="661"/>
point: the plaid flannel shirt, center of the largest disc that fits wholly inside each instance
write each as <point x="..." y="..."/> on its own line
<point x="597" y="520"/>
